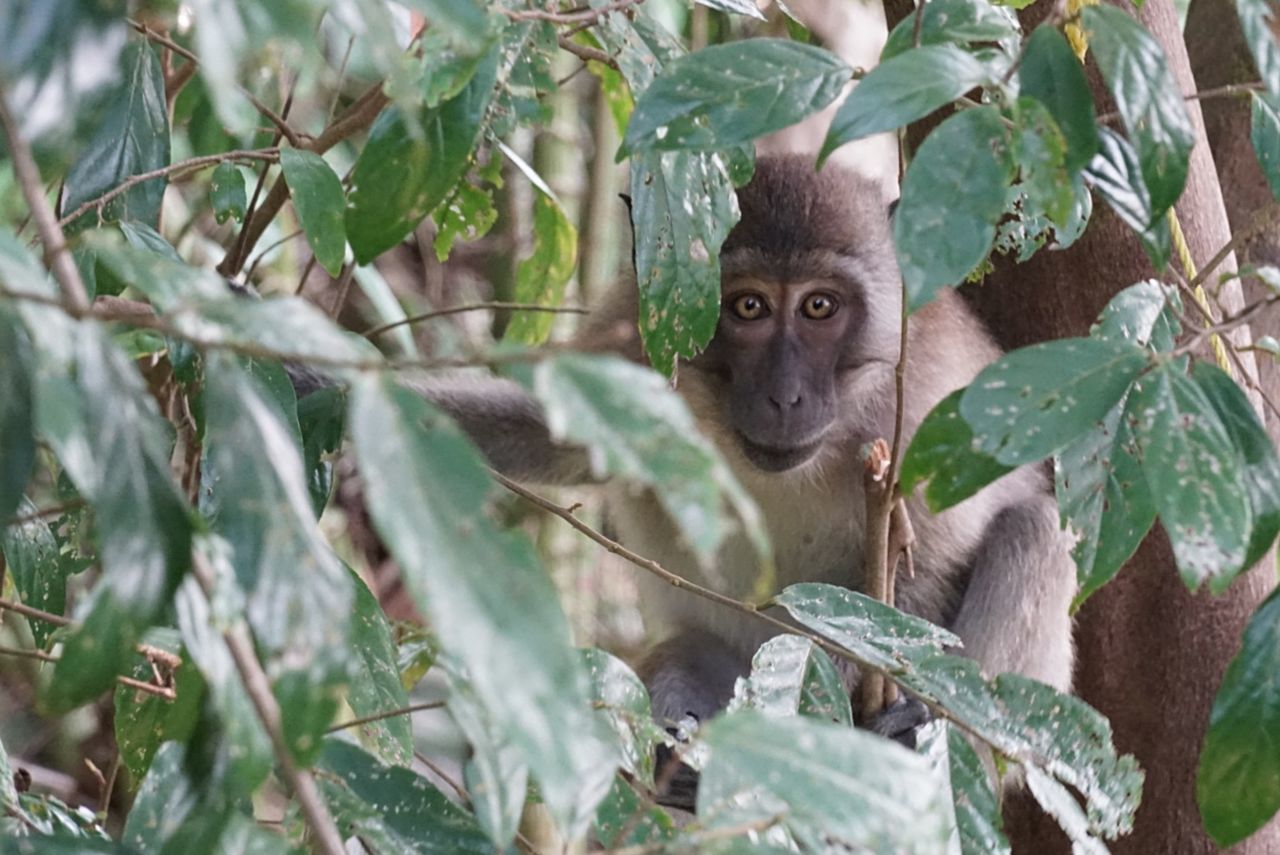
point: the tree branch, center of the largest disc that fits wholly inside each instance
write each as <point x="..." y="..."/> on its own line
<point x="370" y="719"/>
<point x="150" y="688"/>
<point x="585" y="16"/>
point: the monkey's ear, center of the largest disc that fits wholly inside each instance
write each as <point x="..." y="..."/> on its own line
<point x="893" y="207"/>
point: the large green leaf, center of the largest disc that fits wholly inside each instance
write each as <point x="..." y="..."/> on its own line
<point x="1116" y="174"/>
<point x="617" y="690"/>
<point x="1147" y="97"/>
<point x="1265" y="135"/>
<point x="1195" y="474"/>
<point x="17" y="417"/>
<point x="1257" y="455"/>
<point x="946" y="21"/>
<point x="827" y="784"/>
<point x="542" y="277"/>
<point x="318" y="199"/>
<point x="410" y="164"/>
<point x="1034" y="401"/>
<point x="979" y="825"/>
<point x="144" y="721"/>
<point x="729" y="94"/>
<point x="141" y="520"/>
<point x="638" y="429"/>
<point x="392" y="808"/>
<point x="1025" y="720"/>
<point x="682" y="208"/>
<point x="299" y="597"/>
<point x="375" y="685"/>
<point x="903" y="89"/>
<point x="133" y="138"/>
<point x="1051" y="74"/>
<point x="952" y="197"/>
<point x="943" y="453"/>
<point x="1238" y="780"/>
<point x="428" y="491"/>
<point x="626" y="819"/>
<point x="791" y="675"/>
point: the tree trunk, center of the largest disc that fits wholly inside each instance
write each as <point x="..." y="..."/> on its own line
<point x="1151" y="655"/>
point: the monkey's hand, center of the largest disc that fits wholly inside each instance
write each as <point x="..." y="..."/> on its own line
<point x="677" y="783"/>
<point x="901" y="721"/>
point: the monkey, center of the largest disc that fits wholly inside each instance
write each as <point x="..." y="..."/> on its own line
<point x="797" y="377"/>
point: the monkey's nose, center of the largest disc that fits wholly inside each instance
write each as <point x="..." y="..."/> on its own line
<point x="784" y="401"/>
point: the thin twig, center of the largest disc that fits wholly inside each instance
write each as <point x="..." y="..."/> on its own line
<point x="344" y="288"/>
<point x="369" y="719"/>
<point x="30" y="612"/>
<point x="40" y="655"/>
<point x="204" y="161"/>
<point x="109" y="785"/>
<point x="56" y="254"/>
<point x="473" y="307"/>
<point x="51" y="511"/>
<point x="1262" y="218"/>
<point x="325" y="834"/>
<point x="578" y="17"/>
<point x="586" y="53"/>
<point x="1230" y="90"/>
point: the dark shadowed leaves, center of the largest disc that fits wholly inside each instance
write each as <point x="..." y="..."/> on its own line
<point x="952" y="197"/>
<point x="318" y="199"/>
<point x="1034" y="401"/>
<point x="17" y="416"/>
<point x="903" y="89"/>
<point x="410" y="164"/>
<point x="133" y="138"/>
<point x="944" y="454"/>
<point x="726" y="95"/>
<point x="1238" y="781"/>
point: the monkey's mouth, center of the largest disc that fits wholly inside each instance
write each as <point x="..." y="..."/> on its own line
<point x="774" y="459"/>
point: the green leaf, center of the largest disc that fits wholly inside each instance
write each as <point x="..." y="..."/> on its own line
<point x="952" y="197"/>
<point x="428" y="493"/>
<point x="143" y="721"/>
<point x="1051" y="74"/>
<point x="979" y="824"/>
<point x="1034" y="401"/>
<point x="1040" y="151"/>
<point x="542" y="277"/>
<point x="463" y="20"/>
<point x="299" y="597"/>
<point x="1147" y="98"/>
<point x="1257" y="455"/>
<point x="375" y="685"/>
<point x="682" y="208"/>
<point x="1024" y="720"/>
<point x="1104" y="498"/>
<point x="410" y="164"/>
<point x="1060" y="803"/>
<point x="625" y="819"/>
<point x="392" y="808"/>
<point x="1146" y="314"/>
<point x="226" y="192"/>
<point x="617" y="690"/>
<point x="1115" y="173"/>
<point x="1265" y="134"/>
<point x="1195" y="474"/>
<point x="39" y="571"/>
<point x="1238" y="779"/>
<point x="133" y="138"/>
<point x="943" y="453"/>
<point x="321" y="419"/>
<point x="947" y="21"/>
<point x="141" y="520"/>
<point x="318" y="199"/>
<point x="903" y="89"/>
<point x="637" y="428"/>
<point x="830" y="786"/>
<point x="467" y="214"/>
<point x="727" y="95"/>
<point x="792" y="676"/>
<point x="17" y="417"/>
<point x="1258" y="21"/>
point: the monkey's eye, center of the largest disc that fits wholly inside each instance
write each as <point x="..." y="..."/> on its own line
<point x="819" y="307"/>
<point x="750" y="307"/>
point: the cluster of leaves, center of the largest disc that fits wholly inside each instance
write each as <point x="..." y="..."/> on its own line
<point x="189" y="565"/>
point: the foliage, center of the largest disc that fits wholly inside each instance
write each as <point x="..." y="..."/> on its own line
<point x="180" y="451"/>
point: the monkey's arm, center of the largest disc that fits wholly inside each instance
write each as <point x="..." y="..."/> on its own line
<point x="1015" y="615"/>
<point x="507" y="424"/>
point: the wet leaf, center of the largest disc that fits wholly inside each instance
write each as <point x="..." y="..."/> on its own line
<point x="617" y="691"/>
<point x="1258" y="21"/>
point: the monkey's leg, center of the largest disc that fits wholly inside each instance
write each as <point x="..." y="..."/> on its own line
<point x="1015" y="613"/>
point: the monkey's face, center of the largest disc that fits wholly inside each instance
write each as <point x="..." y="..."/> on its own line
<point x="778" y="352"/>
